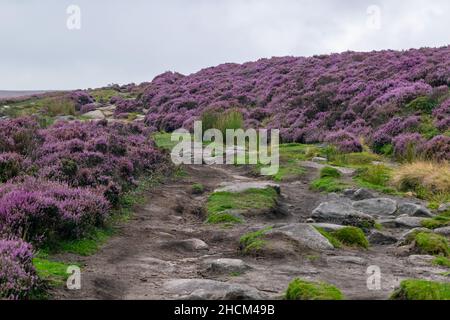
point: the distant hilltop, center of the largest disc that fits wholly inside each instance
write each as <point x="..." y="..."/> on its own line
<point x="17" y="94"/>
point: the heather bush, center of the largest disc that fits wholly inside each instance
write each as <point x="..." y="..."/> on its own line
<point x="408" y="146"/>
<point x="18" y="277"/>
<point x="10" y="165"/>
<point x="80" y="98"/>
<point x="19" y="135"/>
<point x="438" y="148"/>
<point x="344" y="141"/>
<point x="88" y="107"/>
<point x="124" y="106"/>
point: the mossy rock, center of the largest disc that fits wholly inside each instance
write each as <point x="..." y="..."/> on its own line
<point x="422" y="290"/>
<point x="300" y="289"/>
<point x="351" y="236"/>
<point x="431" y="243"/>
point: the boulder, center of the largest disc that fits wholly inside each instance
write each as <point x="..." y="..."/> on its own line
<point x="339" y="212"/>
<point x="444" y="207"/>
<point x="409" y="222"/>
<point x="202" y="289"/>
<point x="329" y="227"/>
<point x="319" y="159"/>
<point x="413" y="210"/>
<point x="242" y="186"/>
<point x="381" y="238"/>
<point x="376" y="206"/>
<point x="410" y="233"/>
<point x="185" y="245"/>
<point x="444" y="231"/>
<point x="387" y="222"/>
<point x="305" y="234"/>
<point x="362" y="194"/>
<point x="96" y="115"/>
<point x="225" y="265"/>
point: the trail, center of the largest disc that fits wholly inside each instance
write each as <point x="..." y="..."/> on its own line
<point x="148" y="251"/>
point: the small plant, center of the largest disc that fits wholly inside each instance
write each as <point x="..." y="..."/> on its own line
<point x="198" y="188"/>
<point x="441" y="261"/>
<point x="299" y="289"/>
<point x="253" y="241"/>
<point x="351" y="236"/>
<point x="335" y="242"/>
<point x="215" y="218"/>
<point x="422" y="290"/>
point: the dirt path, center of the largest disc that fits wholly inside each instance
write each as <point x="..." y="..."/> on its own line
<point x="149" y="249"/>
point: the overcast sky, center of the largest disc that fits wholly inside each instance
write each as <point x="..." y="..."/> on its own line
<point x="124" y="41"/>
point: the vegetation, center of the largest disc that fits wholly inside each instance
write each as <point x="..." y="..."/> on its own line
<point x="299" y="289"/>
<point x="441" y="261"/>
<point x="54" y="273"/>
<point x="351" y="236"/>
<point x="439" y="221"/>
<point x="333" y="240"/>
<point x="231" y="119"/>
<point x="198" y="188"/>
<point x="328" y="184"/>
<point x="422" y="290"/>
<point x="252" y="242"/>
<point x="329" y="172"/>
<point x="430" y="243"/>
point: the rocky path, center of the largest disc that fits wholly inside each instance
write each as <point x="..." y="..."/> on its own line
<point x="166" y="251"/>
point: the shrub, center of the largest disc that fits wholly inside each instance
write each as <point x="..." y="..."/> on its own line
<point x="422" y="290"/>
<point x="438" y="148"/>
<point x="10" y="165"/>
<point x="351" y="236"/>
<point x="408" y="146"/>
<point x="344" y="141"/>
<point x="330" y="172"/>
<point x="299" y="289"/>
<point x="18" y="278"/>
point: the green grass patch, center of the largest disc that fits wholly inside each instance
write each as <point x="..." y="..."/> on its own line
<point x="375" y="177"/>
<point x="253" y="241"/>
<point x="328" y="184"/>
<point x="333" y="240"/>
<point x="354" y="159"/>
<point x="222" y="217"/>
<point x="53" y="273"/>
<point x="351" y="236"/>
<point x="431" y="243"/>
<point x="288" y="170"/>
<point x="422" y="290"/>
<point x="439" y="221"/>
<point x="441" y="261"/>
<point x="103" y="95"/>
<point x="163" y="140"/>
<point x="299" y="289"/>
<point x="330" y="172"/>
<point x="198" y="188"/>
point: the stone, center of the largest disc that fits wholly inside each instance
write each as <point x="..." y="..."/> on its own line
<point x="348" y="192"/>
<point x="444" y="231"/>
<point x="186" y="245"/>
<point x="319" y="159"/>
<point x="305" y="234"/>
<point x="387" y="222"/>
<point x="202" y="289"/>
<point x="444" y="207"/>
<point x="413" y="210"/>
<point x="362" y="194"/>
<point x="409" y="222"/>
<point x="328" y="227"/>
<point x="96" y="115"/>
<point x="347" y="259"/>
<point x="376" y="206"/>
<point x="420" y="260"/>
<point x="225" y="265"/>
<point x="405" y="236"/>
<point x="339" y="212"/>
<point x="381" y="238"/>
<point x="243" y="186"/>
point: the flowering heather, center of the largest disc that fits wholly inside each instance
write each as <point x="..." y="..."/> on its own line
<point x="80" y="98"/>
<point x="10" y="165"/>
<point x="126" y="105"/>
<point x="438" y="148"/>
<point x="17" y="274"/>
<point x="308" y="98"/>
<point x="344" y="141"/>
<point x="408" y="145"/>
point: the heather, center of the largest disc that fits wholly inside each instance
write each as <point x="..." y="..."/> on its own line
<point x="337" y="98"/>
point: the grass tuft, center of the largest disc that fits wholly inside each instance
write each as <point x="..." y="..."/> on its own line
<point x="422" y="290"/>
<point x="299" y="289"/>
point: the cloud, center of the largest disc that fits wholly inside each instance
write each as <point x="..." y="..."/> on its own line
<point x="122" y="41"/>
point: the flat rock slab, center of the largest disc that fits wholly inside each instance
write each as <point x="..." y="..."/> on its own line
<point x="202" y="289"/>
<point x="421" y="260"/>
<point x="339" y="212"/>
<point x="96" y="114"/>
<point x="347" y="259"/>
<point x="306" y="235"/>
<point x="381" y="238"/>
<point x="185" y="245"/>
<point x="225" y="265"/>
<point x="315" y="165"/>
<point x="409" y="222"/>
<point x="329" y="227"/>
<point x="362" y="194"/>
<point x="413" y="210"/>
<point x="445" y="231"/>
<point x="376" y="206"/>
<point x="242" y="186"/>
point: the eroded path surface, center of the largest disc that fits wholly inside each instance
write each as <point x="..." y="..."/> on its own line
<point x="167" y="240"/>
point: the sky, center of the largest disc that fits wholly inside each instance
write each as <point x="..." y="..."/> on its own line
<point x="60" y="44"/>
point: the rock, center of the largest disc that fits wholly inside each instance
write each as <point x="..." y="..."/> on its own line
<point x="381" y="238"/>
<point x="362" y="194"/>
<point x="338" y="212"/>
<point x="242" y="186"/>
<point x="225" y="265"/>
<point x="347" y="259"/>
<point x="444" y="207"/>
<point x="376" y="206"/>
<point x="420" y="260"/>
<point x="310" y="220"/>
<point x="409" y="222"/>
<point x="348" y="192"/>
<point x="202" y="289"/>
<point x="404" y="238"/>
<point x="305" y="234"/>
<point x="329" y="227"/>
<point x="387" y="223"/>
<point x="64" y="118"/>
<point x="319" y="159"/>
<point x="413" y="210"/>
<point x="96" y="115"/>
<point x="110" y="108"/>
<point x="444" y="231"/>
<point x="186" y="245"/>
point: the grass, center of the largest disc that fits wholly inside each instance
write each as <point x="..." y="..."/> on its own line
<point x="220" y="202"/>
<point x="328" y="184"/>
<point x="430" y="243"/>
<point x="230" y="119"/>
<point x="163" y="140"/>
<point x="253" y="241"/>
<point x="376" y="177"/>
<point x="222" y="217"/>
<point x="299" y="289"/>
<point x="103" y="95"/>
<point x="439" y="221"/>
<point x="198" y="188"/>
<point x="288" y="170"/>
<point x="329" y="172"/>
<point x="353" y="160"/>
<point x="347" y="236"/>
<point x="441" y="261"/>
<point x="428" y="180"/>
<point x="422" y="290"/>
<point x="54" y="273"/>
